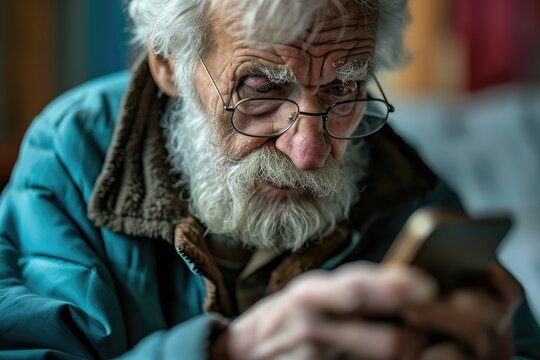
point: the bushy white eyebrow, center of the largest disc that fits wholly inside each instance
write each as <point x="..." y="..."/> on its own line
<point x="355" y="70"/>
<point x="278" y="75"/>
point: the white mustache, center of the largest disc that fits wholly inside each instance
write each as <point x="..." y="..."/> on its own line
<point x="268" y="164"/>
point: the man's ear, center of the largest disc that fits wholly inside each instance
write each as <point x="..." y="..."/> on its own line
<point x="163" y="73"/>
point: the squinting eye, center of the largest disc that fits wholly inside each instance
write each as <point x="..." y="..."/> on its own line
<point x="258" y="83"/>
<point x="338" y="90"/>
<point x="263" y="88"/>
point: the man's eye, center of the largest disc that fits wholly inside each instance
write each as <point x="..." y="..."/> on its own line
<point x="260" y="84"/>
<point x="257" y="86"/>
<point x="339" y="90"/>
<point x="263" y="88"/>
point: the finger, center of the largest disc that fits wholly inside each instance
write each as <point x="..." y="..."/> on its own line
<point x="300" y="352"/>
<point x="363" y="288"/>
<point x="370" y="340"/>
<point x="505" y="283"/>
<point x="508" y="288"/>
<point x="339" y="339"/>
<point x="445" y="351"/>
<point x="470" y="316"/>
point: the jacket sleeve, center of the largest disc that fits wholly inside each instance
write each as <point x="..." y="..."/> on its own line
<point x="54" y="307"/>
<point x="172" y="344"/>
<point x="57" y="295"/>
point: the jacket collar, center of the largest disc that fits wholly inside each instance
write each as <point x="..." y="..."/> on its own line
<point x="135" y="192"/>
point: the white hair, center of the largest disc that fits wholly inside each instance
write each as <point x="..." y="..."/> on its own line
<point x="178" y="29"/>
<point x="355" y="70"/>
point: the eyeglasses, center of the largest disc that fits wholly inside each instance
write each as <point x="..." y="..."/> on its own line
<point x="272" y="116"/>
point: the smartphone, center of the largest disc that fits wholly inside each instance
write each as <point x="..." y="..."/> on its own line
<point x="453" y="247"/>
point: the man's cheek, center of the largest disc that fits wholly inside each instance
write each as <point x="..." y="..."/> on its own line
<point x="338" y="148"/>
<point x="238" y="146"/>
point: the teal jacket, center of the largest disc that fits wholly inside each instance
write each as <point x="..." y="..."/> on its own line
<point x="98" y="257"/>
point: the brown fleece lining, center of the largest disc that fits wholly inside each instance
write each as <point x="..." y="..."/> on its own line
<point x="191" y="245"/>
<point x="134" y="194"/>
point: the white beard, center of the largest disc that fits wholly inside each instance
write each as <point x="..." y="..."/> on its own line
<point x="226" y="196"/>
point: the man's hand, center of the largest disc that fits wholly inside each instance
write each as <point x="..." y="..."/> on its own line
<point x="331" y="315"/>
<point x="351" y="313"/>
<point x="477" y="320"/>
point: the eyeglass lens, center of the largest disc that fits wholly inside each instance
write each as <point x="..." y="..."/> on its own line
<point x="271" y="117"/>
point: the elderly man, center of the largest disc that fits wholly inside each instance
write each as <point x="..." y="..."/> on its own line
<point x="177" y="222"/>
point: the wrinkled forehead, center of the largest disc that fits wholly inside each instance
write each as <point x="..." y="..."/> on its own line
<point x="323" y="34"/>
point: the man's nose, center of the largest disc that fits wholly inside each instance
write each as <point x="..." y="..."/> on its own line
<point x="306" y="143"/>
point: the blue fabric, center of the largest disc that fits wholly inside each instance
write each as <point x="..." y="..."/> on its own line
<point x="166" y="344"/>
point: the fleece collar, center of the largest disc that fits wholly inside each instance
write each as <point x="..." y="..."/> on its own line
<point x="135" y="193"/>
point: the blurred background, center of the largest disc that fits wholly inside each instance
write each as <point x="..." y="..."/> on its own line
<point x="48" y="47"/>
<point x="469" y="99"/>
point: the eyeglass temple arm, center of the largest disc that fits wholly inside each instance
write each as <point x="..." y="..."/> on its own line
<point x="213" y="82"/>
<point x="390" y="106"/>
